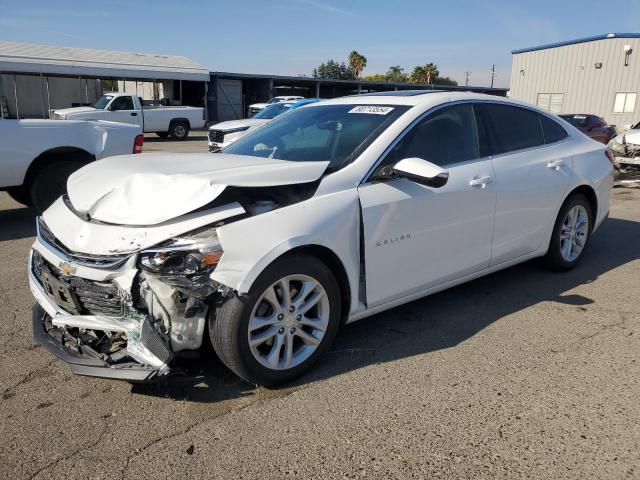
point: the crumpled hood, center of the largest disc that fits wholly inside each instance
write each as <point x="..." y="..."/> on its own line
<point x="232" y="124"/>
<point x="67" y="111"/>
<point x="149" y="189"/>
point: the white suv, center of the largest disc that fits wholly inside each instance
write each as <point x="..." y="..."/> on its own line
<point x="256" y="107"/>
<point x="325" y="215"/>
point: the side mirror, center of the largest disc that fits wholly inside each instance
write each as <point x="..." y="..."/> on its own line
<point x="421" y="171"/>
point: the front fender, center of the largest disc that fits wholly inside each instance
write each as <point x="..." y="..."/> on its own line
<point x="250" y="245"/>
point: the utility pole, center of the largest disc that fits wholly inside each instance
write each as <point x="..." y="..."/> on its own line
<point x="466" y="78"/>
<point x="493" y="74"/>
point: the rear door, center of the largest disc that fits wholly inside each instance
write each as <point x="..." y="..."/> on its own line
<point x="417" y="237"/>
<point x="532" y="176"/>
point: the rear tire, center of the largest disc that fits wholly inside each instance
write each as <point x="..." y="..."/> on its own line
<point x="21" y="195"/>
<point x="51" y="182"/>
<point x="308" y="333"/>
<point x="179" y="130"/>
<point x="571" y="234"/>
<point x="162" y="134"/>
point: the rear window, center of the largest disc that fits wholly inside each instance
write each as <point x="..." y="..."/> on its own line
<point x="552" y="130"/>
<point x="578" y="121"/>
<point x="512" y="128"/>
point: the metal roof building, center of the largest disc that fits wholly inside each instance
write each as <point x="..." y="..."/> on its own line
<point x="598" y="75"/>
<point x="87" y="62"/>
<point x="35" y="79"/>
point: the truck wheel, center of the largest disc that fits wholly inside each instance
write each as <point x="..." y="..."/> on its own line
<point x="21" y="195"/>
<point x="162" y="134"/>
<point x="179" y="130"/>
<point x="282" y="326"/>
<point x="51" y="182"/>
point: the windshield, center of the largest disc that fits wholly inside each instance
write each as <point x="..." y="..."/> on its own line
<point x="575" y="120"/>
<point x="102" y="102"/>
<point x="334" y="133"/>
<point x="272" y="111"/>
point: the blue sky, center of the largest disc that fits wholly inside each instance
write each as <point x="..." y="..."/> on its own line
<point x="290" y="37"/>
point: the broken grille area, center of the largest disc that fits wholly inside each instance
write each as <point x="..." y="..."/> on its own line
<point x="216" y="136"/>
<point x="76" y="295"/>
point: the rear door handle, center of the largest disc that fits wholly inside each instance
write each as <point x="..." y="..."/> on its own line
<point x="480" y="181"/>
<point x="556" y="164"/>
<point x="134" y="114"/>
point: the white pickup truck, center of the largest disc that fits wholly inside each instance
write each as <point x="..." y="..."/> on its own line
<point x="121" y="107"/>
<point x="37" y="156"/>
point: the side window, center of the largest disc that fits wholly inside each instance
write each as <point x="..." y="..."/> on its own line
<point x="512" y="128"/>
<point x="445" y="137"/>
<point x="122" y="103"/>
<point x="552" y="130"/>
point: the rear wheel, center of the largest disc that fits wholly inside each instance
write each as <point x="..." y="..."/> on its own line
<point x="51" y="182"/>
<point x="162" y="134"/>
<point x="179" y="130"/>
<point x="571" y="234"/>
<point x="280" y="328"/>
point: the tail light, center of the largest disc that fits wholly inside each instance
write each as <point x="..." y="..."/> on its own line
<point x="138" y="143"/>
<point x="609" y="155"/>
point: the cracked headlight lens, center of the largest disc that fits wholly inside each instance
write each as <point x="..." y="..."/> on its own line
<point x="191" y="253"/>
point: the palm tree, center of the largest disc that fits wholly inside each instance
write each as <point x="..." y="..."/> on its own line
<point x="425" y="74"/>
<point x="396" y="74"/>
<point x="357" y="62"/>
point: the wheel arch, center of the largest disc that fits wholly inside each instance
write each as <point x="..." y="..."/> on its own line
<point x="52" y="155"/>
<point x="180" y="120"/>
<point x="589" y="192"/>
<point x="331" y="260"/>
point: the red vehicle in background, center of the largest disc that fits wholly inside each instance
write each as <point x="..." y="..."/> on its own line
<point x="592" y="126"/>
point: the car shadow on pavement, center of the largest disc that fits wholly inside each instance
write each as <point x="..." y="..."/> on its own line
<point x="437" y="322"/>
<point x="17" y="223"/>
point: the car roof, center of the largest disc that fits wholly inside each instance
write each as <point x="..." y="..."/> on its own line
<point x="420" y="97"/>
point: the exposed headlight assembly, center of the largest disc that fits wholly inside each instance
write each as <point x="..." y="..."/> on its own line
<point x="193" y="253"/>
<point x="616" y="146"/>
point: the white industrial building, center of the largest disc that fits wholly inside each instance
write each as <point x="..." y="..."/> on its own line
<point x="35" y="79"/>
<point x="598" y="75"/>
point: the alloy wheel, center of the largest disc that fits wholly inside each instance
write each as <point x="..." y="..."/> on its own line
<point x="288" y="322"/>
<point x="574" y="233"/>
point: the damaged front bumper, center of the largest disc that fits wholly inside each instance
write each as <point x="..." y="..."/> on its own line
<point x="626" y="156"/>
<point x="111" y="323"/>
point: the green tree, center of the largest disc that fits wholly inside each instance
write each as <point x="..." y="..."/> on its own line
<point x="396" y="74"/>
<point x="333" y="69"/>
<point x="357" y="62"/>
<point x="429" y="73"/>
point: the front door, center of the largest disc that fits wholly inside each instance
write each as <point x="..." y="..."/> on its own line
<point x="123" y="110"/>
<point x="417" y="237"/>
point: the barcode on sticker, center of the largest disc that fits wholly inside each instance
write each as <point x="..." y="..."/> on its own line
<point x="373" y="109"/>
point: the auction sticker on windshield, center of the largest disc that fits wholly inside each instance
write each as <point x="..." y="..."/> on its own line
<point x="374" y="109"/>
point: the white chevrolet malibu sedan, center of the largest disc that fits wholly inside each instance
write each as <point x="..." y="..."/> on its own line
<point x="325" y="216"/>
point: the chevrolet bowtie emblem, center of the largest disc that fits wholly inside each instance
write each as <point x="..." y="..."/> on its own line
<point x="66" y="269"/>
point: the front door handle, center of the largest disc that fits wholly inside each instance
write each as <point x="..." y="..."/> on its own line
<point x="555" y="165"/>
<point x="134" y="114"/>
<point x="481" y="182"/>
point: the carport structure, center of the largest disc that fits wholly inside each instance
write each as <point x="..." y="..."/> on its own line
<point x="35" y="79"/>
<point x="230" y="94"/>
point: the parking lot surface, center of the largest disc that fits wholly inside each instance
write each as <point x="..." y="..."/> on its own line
<point x="522" y="374"/>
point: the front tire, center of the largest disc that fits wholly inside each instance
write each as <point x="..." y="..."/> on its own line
<point x="283" y="325"/>
<point x="571" y="234"/>
<point x="51" y="182"/>
<point x="21" y="195"/>
<point x="179" y="130"/>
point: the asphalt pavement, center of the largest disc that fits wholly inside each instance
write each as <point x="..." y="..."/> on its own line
<point x="522" y="374"/>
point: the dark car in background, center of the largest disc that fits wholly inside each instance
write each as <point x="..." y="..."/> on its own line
<point x="592" y="126"/>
